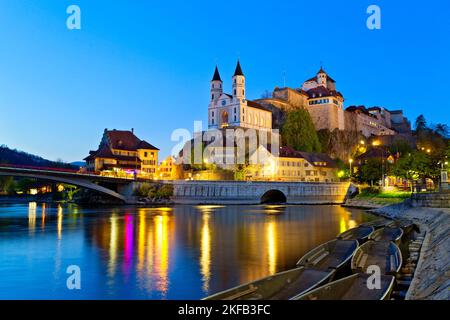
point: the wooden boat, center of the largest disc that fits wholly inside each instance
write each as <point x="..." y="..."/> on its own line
<point x="354" y="287"/>
<point x="379" y="223"/>
<point x="360" y="233"/>
<point x="393" y="234"/>
<point x="384" y="254"/>
<point x="334" y="254"/>
<point x="406" y="225"/>
<point x="280" y="286"/>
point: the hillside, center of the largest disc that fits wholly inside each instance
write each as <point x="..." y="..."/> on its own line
<point x="16" y="157"/>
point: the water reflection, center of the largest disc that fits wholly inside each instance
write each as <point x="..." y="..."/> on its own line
<point x="32" y="217"/>
<point x="271" y="245"/>
<point x="184" y="252"/>
<point x="205" y="253"/>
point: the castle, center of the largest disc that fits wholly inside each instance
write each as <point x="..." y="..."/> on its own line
<point x="318" y="95"/>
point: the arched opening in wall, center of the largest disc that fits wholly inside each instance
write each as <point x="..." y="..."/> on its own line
<point x="225" y="118"/>
<point x="273" y="196"/>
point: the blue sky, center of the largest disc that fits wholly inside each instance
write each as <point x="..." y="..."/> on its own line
<point x="147" y="64"/>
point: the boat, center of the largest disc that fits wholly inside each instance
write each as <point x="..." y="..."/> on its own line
<point x="384" y="254"/>
<point x="285" y="285"/>
<point x="360" y="233"/>
<point x="406" y="225"/>
<point x="354" y="287"/>
<point x="393" y="234"/>
<point x="334" y="254"/>
<point x="379" y="223"/>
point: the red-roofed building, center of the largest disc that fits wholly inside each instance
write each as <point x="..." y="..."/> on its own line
<point x="122" y="153"/>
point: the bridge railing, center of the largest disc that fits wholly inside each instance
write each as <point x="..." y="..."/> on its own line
<point x="19" y="166"/>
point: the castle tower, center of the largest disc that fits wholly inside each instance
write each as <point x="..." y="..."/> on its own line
<point x="216" y="86"/>
<point x="322" y="77"/>
<point x="238" y="83"/>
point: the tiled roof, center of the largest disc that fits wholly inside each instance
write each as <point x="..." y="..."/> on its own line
<point x="311" y="157"/>
<point x="321" y="91"/>
<point x="105" y="152"/>
<point x="256" y="105"/>
<point x="126" y="140"/>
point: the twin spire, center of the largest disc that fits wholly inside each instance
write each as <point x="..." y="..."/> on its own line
<point x="237" y="72"/>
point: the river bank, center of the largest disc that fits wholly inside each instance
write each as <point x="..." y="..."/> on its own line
<point x="432" y="276"/>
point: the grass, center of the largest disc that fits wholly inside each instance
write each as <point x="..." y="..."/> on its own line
<point x="384" y="198"/>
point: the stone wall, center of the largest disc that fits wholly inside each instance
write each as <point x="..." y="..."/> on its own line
<point x="242" y="192"/>
<point x="431" y="200"/>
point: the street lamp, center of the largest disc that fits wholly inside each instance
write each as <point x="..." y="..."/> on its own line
<point x="377" y="143"/>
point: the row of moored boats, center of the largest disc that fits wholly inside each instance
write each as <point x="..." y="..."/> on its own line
<point x="322" y="273"/>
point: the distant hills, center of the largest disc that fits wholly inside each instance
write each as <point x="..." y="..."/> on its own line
<point x="17" y="157"/>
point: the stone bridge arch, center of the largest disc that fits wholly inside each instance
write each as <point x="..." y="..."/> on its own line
<point x="273" y="196"/>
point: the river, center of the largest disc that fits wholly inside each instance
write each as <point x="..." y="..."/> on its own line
<point x="180" y="252"/>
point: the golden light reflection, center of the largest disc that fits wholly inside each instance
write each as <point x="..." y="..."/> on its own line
<point x="141" y="240"/>
<point x="205" y="253"/>
<point x="271" y="245"/>
<point x="43" y="215"/>
<point x="60" y="218"/>
<point x="345" y="222"/>
<point x="113" y="245"/>
<point x="32" y="216"/>
<point x="162" y="250"/>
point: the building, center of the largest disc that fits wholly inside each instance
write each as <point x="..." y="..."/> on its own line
<point x="369" y="122"/>
<point x="325" y="103"/>
<point x="318" y="95"/>
<point x="292" y="165"/>
<point x="121" y="153"/>
<point x="166" y="169"/>
<point x="377" y="121"/>
<point x="234" y="110"/>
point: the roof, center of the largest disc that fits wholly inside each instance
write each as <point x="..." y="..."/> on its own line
<point x="256" y="105"/>
<point x="238" y="71"/>
<point x="311" y="157"/>
<point x="322" y="91"/>
<point x="216" y="76"/>
<point x="105" y="152"/>
<point x="126" y="140"/>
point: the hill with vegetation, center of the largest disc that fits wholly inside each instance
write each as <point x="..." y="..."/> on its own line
<point x="16" y="157"/>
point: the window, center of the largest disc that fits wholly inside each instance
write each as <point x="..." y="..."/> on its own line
<point x="234" y="109"/>
<point x="243" y="92"/>
<point x="235" y="118"/>
<point x="212" y="97"/>
<point x="212" y="114"/>
<point x="234" y="91"/>
<point x="145" y="154"/>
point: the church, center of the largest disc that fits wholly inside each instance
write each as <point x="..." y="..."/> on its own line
<point x="234" y="110"/>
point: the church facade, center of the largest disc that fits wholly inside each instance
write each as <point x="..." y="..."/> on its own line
<point x="234" y="110"/>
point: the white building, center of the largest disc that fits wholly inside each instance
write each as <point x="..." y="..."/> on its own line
<point x="234" y="110"/>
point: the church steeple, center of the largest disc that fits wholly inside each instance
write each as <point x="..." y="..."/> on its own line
<point x="238" y="71"/>
<point x="238" y="83"/>
<point x="216" y="86"/>
<point x="216" y="76"/>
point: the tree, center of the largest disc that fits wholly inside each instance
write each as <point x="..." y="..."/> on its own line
<point x="299" y="133"/>
<point x="416" y="166"/>
<point x="442" y="130"/>
<point x="421" y="123"/>
<point x="371" y="171"/>
<point x="266" y="94"/>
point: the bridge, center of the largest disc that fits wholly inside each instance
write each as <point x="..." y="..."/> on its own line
<point x="256" y="192"/>
<point x="88" y="181"/>
<point x="197" y="192"/>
